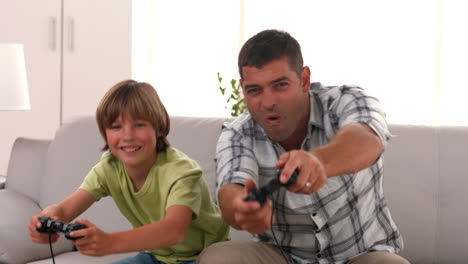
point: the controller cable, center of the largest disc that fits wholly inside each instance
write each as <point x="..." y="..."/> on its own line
<point x="50" y="246"/>
<point x="273" y="231"/>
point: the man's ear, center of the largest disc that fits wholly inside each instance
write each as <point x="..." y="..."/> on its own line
<point x="305" y="78"/>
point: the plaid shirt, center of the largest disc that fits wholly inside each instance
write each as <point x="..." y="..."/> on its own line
<point x="346" y="217"/>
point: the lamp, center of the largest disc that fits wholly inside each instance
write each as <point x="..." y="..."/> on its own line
<point x="14" y="94"/>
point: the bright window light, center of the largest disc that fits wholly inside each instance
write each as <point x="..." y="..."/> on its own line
<point x="407" y="53"/>
<point x="179" y="46"/>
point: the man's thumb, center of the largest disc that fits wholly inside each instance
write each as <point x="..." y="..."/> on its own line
<point x="250" y="185"/>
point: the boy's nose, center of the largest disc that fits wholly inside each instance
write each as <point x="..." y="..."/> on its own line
<point x="128" y="133"/>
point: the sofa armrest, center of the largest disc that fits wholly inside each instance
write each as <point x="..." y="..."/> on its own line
<point x="26" y="166"/>
<point x="15" y="244"/>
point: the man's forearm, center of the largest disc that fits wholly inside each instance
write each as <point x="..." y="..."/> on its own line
<point x="354" y="148"/>
<point x="225" y="197"/>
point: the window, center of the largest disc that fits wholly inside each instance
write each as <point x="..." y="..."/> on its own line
<point x="408" y="53"/>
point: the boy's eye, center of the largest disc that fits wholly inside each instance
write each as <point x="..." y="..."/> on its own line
<point x="115" y="126"/>
<point x="140" y="124"/>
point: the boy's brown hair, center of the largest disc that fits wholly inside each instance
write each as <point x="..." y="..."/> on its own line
<point x="140" y="101"/>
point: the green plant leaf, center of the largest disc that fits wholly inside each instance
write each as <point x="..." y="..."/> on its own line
<point x="235" y="102"/>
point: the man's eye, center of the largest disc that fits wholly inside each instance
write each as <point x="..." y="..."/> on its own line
<point x="253" y="90"/>
<point x="282" y="84"/>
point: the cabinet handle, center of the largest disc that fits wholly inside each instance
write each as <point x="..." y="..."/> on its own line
<point x="53" y="33"/>
<point x="71" y="34"/>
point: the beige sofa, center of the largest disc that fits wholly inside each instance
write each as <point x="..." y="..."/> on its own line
<point x="426" y="185"/>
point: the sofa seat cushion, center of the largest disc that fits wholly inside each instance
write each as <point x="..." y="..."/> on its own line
<point x="77" y="258"/>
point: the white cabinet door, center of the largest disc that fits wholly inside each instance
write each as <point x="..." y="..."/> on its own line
<point x="71" y="62"/>
<point x="36" y="24"/>
<point x="96" y="52"/>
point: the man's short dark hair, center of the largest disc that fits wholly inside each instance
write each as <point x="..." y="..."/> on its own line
<point x="269" y="45"/>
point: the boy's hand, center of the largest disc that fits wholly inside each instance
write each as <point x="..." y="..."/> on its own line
<point x="37" y="236"/>
<point x="94" y="242"/>
<point x="249" y="215"/>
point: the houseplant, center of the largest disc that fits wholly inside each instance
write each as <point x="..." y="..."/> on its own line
<point x="235" y="103"/>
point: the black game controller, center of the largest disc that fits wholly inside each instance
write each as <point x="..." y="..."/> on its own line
<point x="50" y="225"/>
<point x="261" y="194"/>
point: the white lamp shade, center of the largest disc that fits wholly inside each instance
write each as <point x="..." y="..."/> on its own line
<point x="14" y="94"/>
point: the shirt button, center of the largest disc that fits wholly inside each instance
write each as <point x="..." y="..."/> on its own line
<point x="319" y="255"/>
<point x="314" y="214"/>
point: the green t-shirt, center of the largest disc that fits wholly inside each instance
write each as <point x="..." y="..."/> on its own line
<point x="175" y="179"/>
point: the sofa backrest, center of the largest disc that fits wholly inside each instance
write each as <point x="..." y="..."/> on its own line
<point x="410" y="183"/>
<point x="77" y="146"/>
<point x="197" y="138"/>
<point x="75" y="149"/>
<point x="26" y="166"/>
<point x="426" y="180"/>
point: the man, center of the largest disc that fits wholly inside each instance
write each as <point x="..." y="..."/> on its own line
<point x="335" y="212"/>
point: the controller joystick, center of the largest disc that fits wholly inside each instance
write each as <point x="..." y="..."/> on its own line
<point x="260" y="195"/>
<point x="50" y="225"/>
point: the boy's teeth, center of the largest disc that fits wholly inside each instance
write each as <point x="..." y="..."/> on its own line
<point x="130" y="149"/>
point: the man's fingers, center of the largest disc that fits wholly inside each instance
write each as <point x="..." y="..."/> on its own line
<point x="282" y="160"/>
<point x="257" y="222"/>
<point x="249" y="186"/>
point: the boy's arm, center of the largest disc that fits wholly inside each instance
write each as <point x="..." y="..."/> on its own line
<point x="164" y="233"/>
<point x="71" y="207"/>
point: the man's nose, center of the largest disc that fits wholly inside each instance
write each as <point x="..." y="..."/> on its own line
<point x="269" y="100"/>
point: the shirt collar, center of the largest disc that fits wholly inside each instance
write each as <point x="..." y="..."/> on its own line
<point x="316" y="110"/>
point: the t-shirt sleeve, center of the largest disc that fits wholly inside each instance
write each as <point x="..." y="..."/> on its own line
<point x="94" y="182"/>
<point x="186" y="191"/>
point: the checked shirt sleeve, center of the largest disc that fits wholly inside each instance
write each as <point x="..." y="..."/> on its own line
<point x="350" y="104"/>
<point x="235" y="160"/>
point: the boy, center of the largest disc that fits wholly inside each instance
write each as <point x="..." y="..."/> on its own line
<point x="156" y="187"/>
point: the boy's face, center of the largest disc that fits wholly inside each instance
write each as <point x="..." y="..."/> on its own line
<point x="133" y="142"/>
<point x="276" y="98"/>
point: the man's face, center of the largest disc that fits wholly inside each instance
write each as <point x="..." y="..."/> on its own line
<point x="276" y="98"/>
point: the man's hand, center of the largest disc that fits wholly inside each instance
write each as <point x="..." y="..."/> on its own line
<point x="94" y="242"/>
<point x="312" y="174"/>
<point x="249" y="215"/>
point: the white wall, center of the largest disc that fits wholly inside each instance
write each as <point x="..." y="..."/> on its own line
<point x="43" y="71"/>
<point x="64" y="82"/>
